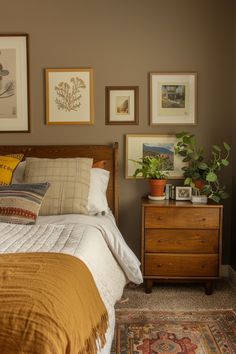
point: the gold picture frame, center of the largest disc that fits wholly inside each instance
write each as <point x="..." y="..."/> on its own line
<point x="139" y="145"/>
<point x="173" y="98"/>
<point x="69" y="96"/>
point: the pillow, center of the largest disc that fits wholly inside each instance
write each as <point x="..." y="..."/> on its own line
<point x="97" y="200"/>
<point x="99" y="164"/>
<point x="20" y="203"/>
<point x="69" y="180"/>
<point x="18" y="176"/>
<point x="8" y="164"/>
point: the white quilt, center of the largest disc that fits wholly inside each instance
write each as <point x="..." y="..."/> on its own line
<point x="92" y="239"/>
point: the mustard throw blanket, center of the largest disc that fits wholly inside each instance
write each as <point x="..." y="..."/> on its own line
<point x="49" y="304"/>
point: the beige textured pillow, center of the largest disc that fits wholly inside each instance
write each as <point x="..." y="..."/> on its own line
<point x="69" y="179"/>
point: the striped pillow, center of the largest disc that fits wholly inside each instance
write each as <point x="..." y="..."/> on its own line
<point x="20" y="203"/>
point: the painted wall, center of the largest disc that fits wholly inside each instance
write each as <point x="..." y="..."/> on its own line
<point x="233" y="241"/>
<point x="123" y="41"/>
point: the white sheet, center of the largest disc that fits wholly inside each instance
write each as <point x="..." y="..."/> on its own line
<point x="89" y="238"/>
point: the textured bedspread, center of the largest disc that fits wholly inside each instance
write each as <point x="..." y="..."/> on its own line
<point x="49" y="304"/>
<point x="95" y="240"/>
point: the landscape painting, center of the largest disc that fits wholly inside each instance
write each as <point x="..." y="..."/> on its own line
<point x="173" y="96"/>
<point x="163" y="149"/>
<point x="123" y="105"/>
<point x="142" y="145"/>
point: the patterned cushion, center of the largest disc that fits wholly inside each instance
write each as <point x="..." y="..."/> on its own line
<point x="20" y="203"/>
<point x="69" y="179"/>
<point x="100" y="164"/>
<point x="8" y="164"/>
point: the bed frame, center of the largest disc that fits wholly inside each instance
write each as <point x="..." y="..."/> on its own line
<point x="109" y="153"/>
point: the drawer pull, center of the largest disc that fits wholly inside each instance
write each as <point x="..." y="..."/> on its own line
<point x="203" y="219"/>
<point x="158" y="265"/>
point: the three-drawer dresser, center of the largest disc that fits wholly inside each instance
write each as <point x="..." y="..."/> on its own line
<point x="181" y="241"/>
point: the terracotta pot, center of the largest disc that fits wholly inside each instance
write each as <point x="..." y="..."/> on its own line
<point x="199" y="183"/>
<point x="157" y="187"/>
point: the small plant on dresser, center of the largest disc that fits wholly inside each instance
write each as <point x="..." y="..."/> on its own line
<point x="155" y="169"/>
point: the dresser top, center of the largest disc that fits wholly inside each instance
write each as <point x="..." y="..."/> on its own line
<point x="178" y="203"/>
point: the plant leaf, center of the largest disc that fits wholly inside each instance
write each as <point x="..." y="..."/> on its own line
<point x="227" y="147"/>
<point x="214" y="197"/>
<point x="225" y="162"/>
<point x="202" y="166"/>
<point x="216" y="147"/>
<point x="211" y="177"/>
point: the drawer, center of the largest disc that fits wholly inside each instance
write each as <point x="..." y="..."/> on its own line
<point x="180" y="217"/>
<point x="181" y="241"/>
<point x="181" y="265"/>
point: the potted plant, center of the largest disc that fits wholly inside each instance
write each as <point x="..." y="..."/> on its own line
<point x="153" y="168"/>
<point x="201" y="173"/>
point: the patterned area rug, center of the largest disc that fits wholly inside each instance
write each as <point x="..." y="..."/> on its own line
<point x="155" y="332"/>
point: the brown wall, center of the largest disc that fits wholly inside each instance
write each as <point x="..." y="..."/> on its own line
<point x="233" y="241"/>
<point x="123" y="41"/>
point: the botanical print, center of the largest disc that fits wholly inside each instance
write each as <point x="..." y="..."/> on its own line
<point x="173" y="96"/>
<point x="8" y="83"/>
<point x="69" y="95"/>
<point x="123" y="105"/>
<point x="163" y="149"/>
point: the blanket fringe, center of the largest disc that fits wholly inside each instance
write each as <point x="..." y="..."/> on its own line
<point x="98" y="333"/>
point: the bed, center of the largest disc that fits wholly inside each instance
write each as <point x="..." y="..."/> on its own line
<point x="94" y="240"/>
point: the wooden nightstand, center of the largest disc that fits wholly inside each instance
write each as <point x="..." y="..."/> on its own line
<point x="181" y="241"/>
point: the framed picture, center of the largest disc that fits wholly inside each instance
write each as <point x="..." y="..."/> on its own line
<point x="138" y="146"/>
<point x="14" y="86"/>
<point x="173" y="98"/>
<point x="183" y="193"/>
<point x="69" y="96"/>
<point x="122" y="105"/>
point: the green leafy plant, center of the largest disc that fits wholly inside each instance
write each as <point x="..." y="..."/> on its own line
<point x="199" y="169"/>
<point x="153" y="167"/>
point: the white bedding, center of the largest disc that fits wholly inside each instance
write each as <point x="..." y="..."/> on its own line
<point x="93" y="239"/>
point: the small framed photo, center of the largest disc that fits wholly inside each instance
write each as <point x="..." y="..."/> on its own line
<point x="141" y="145"/>
<point x="122" y="105"/>
<point x="14" y="84"/>
<point x="173" y="98"/>
<point x="69" y="96"/>
<point x="183" y="193"/>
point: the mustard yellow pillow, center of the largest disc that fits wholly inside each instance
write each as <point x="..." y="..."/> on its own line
<point x="8" y="164"/>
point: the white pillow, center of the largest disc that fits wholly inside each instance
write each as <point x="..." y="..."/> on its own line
<point x="97" y="199"/>
<point x="18" y="176"/>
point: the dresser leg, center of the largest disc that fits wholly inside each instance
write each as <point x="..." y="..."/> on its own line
<point x="209" y="287"/>
<point x="148" y="286"/>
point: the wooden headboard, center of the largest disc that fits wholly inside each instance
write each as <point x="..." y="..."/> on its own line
<point x="109" y="153"/>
